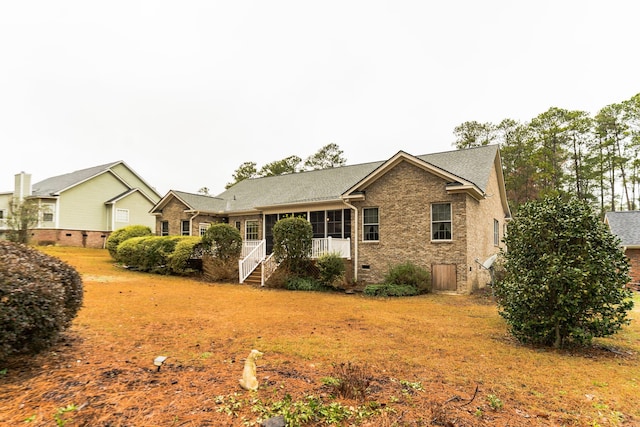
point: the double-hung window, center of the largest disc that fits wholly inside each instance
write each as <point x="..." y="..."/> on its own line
<point x="122" y="215"/>
<point x="441" y="221"/>
<point x="371" y="224"/>
<point x="251" y="230"/>
<point x="164" y="228"/>
<point x="185" y="228"/>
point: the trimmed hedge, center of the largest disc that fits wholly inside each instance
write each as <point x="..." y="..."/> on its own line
<point x="40" y="295"/>
<point x="158" y="254"/>
<point x="185" y="249"/>
<point x="122" y="234"/>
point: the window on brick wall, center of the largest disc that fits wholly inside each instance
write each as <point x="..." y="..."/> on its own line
<point x="441" y="226"/>
<point x="164" y="228"/>
<point x="203" y="228"/>
<point x="185" y="228"/>
<point x="371" y="224"/>
<point x="251" y="230"/>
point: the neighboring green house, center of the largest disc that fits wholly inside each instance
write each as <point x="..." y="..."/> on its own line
<point x="81" y="208"/>
<point x="445" y="212"/>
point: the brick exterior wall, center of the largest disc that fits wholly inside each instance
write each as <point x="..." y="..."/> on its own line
<point x="634" y="260"/>
<point x="243" y="219"/>
<point x="174" y="213"/>
<point x="78" y="238"/>
<point x="480" y="242"/>
<point x="404" y="196"/>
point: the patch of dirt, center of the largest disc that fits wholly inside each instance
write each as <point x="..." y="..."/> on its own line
<point x="106" y="390"/>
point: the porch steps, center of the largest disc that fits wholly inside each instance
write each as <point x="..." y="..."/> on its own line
<point x="255" y="278"/>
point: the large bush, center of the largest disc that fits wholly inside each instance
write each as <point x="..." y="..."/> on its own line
<point x="402" y="280"/>
<point x="39" y="297"/>
<point x="565" y="275"/>
<point x="122" y="234"/>
<point x="331" y="270"/>
<point x="409" y="274"/>
<point x="156" y="254"/>
<point x="292" y="240"/>
<point x="224" y="241"/>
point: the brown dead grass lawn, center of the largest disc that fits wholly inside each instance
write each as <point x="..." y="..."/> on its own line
<point x="449" y="344"/>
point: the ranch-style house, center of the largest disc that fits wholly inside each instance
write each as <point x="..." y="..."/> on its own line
<point x="444" y="211"/>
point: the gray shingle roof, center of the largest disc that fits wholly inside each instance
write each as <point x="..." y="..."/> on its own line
<point x="200" y="202"/>
<point x="54" y="185"/>
<point x="625" y="225"/>
<point x="473" y="165"/>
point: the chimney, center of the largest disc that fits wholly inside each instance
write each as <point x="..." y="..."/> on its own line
<point x="22" y="186"/>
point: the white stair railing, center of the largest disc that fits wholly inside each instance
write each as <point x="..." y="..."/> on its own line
<point x="253" y="258"/>
<point x="269" y="265"/>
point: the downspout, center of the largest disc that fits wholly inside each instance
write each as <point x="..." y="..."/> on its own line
<point x="191" y="222"/>
<point x="112" y="222"/>
<point x="355" y="243"/>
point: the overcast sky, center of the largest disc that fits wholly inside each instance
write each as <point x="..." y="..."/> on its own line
<point x="186" y="91"/>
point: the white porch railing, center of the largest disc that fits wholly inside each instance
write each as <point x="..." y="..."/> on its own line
<point x="254" y="252"/>
<point x="329" y="245"/>
<point x="255" y="255"/>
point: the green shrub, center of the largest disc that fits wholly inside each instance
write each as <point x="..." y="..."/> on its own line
<point x="411" y="275"/>
<point x="331" y="268"/>
<point x="566" y="275"/>
<point x="130" y="253"/>
<point x="149" y="253"/>
<point x="305" y="284"/>
<point x="292" y="240"/>
<point x="39" y="297"/>
<point x="390" y="290"/>
<point x="122" y="234"/>
<point x="224" y="241"/>
<point x="184" y="251"/>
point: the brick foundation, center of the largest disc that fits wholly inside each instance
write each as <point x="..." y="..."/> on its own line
<point x="78" y="238"/>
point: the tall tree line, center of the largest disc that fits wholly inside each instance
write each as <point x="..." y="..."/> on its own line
<point x="565" y="152"/>
<point x="329" y="156"/>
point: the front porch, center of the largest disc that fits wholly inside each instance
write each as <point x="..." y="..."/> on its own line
<point x="254" y="255"/>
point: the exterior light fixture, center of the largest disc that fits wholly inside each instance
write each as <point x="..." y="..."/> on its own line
<point x="158" y="361"/>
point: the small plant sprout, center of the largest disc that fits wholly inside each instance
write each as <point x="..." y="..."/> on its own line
<point x="494" y="402"/>
<point x="59" y="416"/>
